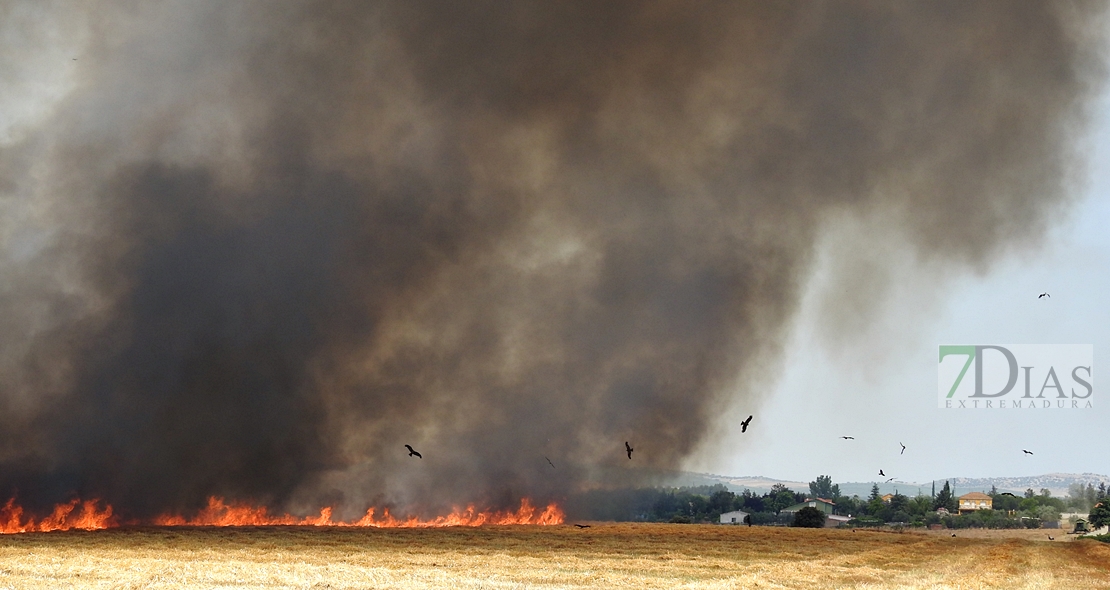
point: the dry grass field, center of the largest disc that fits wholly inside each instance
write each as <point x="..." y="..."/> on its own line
<point x="606" y="555"/>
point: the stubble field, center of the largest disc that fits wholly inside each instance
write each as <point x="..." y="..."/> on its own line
<point x="605" y="555"/>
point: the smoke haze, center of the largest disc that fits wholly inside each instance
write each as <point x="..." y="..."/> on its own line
<point x="252" y="249"/>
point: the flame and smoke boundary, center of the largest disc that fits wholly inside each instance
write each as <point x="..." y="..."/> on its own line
<point x="250" y="249"/>
<point x="88" y="515"/>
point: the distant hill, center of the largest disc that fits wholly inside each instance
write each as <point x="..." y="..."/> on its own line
<point x="1057" y="483"/>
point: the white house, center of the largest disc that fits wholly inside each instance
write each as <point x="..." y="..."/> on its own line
<point x="734" y="517"/>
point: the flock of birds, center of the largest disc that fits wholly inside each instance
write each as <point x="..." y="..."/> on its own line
<point x="744" y="428"/>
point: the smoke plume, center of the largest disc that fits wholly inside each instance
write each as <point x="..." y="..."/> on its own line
<point x="252" y="249"/>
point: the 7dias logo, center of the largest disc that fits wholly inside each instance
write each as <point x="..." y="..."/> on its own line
<point x="1029" y="376"/>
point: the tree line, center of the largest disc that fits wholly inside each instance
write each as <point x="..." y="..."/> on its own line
<point x="700" y="504"/>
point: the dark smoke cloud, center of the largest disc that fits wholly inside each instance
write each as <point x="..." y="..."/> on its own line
<point x="258" y="247"/>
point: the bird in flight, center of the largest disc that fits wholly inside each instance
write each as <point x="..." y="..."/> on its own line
<point x="413" y="452"/>
<point x="1027" y="452"/>
<point x="549" y="462"/>
<point x="582" y="526"/>
<point x="881" y="473"/>
<point x="744" y="424"/>
<point x="848" y="437"/>
<point x="1050" y="538"/>
<point x="628" y="449"/>
<point x="1043" y="295"/>
<point x="903" y="449"/>
<point x="1008" y="494"/>
<point x="890" y="480"/>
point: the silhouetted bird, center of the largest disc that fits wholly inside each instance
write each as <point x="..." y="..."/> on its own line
<point x="953" y="534"/>
<point x="848" y="437"/>
<point x="582" y="526"/>
<point x="903" y="449"/>
<point x="1008" y="494"/>
<point x="1044" y="295"/>
<point x="412" y="452"/>
<point x="881" y="473"/>
<point x="1027" y="452"/>
<point x="628" y="449"/>
<point x="549" y="462"/>
<point x="744" y="424"/>
<point x="890" y="480"/>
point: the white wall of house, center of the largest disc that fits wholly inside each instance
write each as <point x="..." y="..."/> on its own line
<point x="734" y="517"/>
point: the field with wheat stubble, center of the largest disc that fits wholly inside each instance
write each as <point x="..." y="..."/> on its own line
<point x="605" y="555"/>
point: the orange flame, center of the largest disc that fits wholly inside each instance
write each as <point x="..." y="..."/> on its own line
<point x="63" y="518"/>
<point x="220" y="513"/>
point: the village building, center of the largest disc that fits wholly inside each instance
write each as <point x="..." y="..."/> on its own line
<point x="734" y="517"/>
<point x="826" y="506"/>
<point x="975" y="501"/>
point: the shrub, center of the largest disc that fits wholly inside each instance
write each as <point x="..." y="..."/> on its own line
<point x="809" y="517"/>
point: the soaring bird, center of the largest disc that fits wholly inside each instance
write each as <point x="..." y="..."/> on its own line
<point x="903" y="449"/>
<point x="1027" y="452"/>
<point x="412" y="452"/>
<point x="1008" y="494"/>
<point x="881" y="473"/>
<point x="628" y="449"/>
<point x="582" y="526"/>
<point x="549" y="462"/>
<point x="848" y="437"/>
<point x="744" y="424"/>
<point x="1045" y="294"/>
<point x="890" y="480"/>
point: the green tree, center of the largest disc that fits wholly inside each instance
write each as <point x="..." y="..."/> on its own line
<point x="720" y="502"/>
<point x="783" y="499"/>
<point x="874" y="493"/>
<point x="1006" y="503"/>
<point x="1045" y="513"/>
<point x="944" y="499"/>
<point x="920" y="505"/>
<point x="824" y="488"/>
<point x="848" y="506"/>
<point x="1100" y="515"/>
<point x="809" y="517"/>
<point x="751" y="502"/>
<point x="898" y="502"/>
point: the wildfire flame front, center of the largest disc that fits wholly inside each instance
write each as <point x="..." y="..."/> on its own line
<point x="218" y="512"/>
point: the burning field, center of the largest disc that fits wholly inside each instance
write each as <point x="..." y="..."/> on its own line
<point x="251" y="251"/>
<point x="89" y="517"/>
<point x="605" y="555"/>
